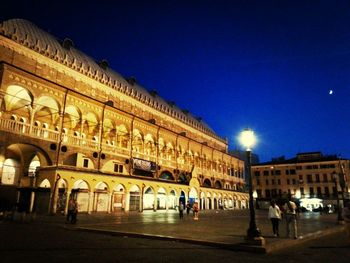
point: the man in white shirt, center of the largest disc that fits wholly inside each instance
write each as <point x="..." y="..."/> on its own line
<point x="290" y="210"/>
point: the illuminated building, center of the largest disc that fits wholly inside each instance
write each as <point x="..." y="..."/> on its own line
<point x="71" y="126"/>
<point x="308" y="177"/>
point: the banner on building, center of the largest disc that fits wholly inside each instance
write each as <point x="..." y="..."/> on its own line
<point x="143" y="165"/>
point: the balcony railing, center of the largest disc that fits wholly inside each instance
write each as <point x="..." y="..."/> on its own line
<point x="22" y="128"/>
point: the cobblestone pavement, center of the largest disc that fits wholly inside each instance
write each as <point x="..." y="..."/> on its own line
<point x="221" y="228"/>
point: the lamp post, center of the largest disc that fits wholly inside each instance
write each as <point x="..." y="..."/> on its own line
<point x="248" y="140"/>
<point x="340" y="217"/>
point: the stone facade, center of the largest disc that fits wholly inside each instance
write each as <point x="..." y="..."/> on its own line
<point x="72" y="127"/>
<point x="306" y="177"/>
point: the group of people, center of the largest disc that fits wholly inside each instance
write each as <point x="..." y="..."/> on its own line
<point x="195" y="209"/>
<point x="290" y="212"/>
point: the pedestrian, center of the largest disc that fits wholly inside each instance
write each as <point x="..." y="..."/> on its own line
<point x="181" y="210"/>
<point x="188" y="208"/>
<point x="346" y="216"/>
<point x="275" y="216"/>
<point x="290" y="209"/>
<point x="72" y="211"/>
<point x="195" y="210"/>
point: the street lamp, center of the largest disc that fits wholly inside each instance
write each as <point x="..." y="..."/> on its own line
<point x="248" y="140"/>
<point x="340" y="217"/>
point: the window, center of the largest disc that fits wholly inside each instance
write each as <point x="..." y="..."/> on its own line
<point x="311" y="191"/>
<point x="294" y="181"/>
<point x="301" y="180"/>
<point x="309" y="178"/>
<point x="266" y="173"/>
<point x="279" y="181"/>
<point x="302" y="190"/>
<point x="278" y="172"/>
<point x="267" y="182"/>
<point x="257" y="182"/>
<point x="287" y="172"/>
<point x="292" y="171"/>
<point x="317" y="178"/>
<point x="325" y="178"/>
<point x="118" y="168"/>
<point x="299" y="167"/>
<point x="86" y="163"/>
<point x="273" y="181"/>
<point x="257" y="173"/>
<point x="319" y="193"/>
<point x="326" y="191"/>
<point x="258" y="191"/>
<point x="288" y="181"/>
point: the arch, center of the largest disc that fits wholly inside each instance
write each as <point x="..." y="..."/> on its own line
<point x="193" y="195"/>
<point x="218" y="185"/>
<point x="172" y="200"/>
<point x="207" y="183"/>
<point x="81" y="191"/>
<point x="72" y="116"/>
<point x="134" y="201"/>
<point x="118" y="198"/>
<point x="161" y="199"/>
<point x="33" y="166"/>
<point x="166" y="175"/>
<point x="45" y="184"/>
<point x="101" y="197"/>
<point x="10" y="172"/>
<point x="47" y="108"/>
<point x="17" y="97"/>
<point x="137" y="141"/>
<point x="122" y="136"/>
<point x="90" y="124"/>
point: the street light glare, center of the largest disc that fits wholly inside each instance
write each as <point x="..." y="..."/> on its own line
<point x="247" y="139"/>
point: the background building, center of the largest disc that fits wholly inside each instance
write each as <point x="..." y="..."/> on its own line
<point x="71" y="126"/>
<point x="312" y="178"/>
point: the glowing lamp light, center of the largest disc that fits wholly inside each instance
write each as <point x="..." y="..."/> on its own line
<point x="247" y="139"/>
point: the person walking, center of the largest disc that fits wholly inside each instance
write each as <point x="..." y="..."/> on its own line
<point x="195" y="210"/>
<point x="181" y="210"/>
<point x="72" y="211"/>
<point x="188" y="208"/>
<point x="275" y="216"/>
<point x="346" y="216"/>
<point x="290" y="209"/>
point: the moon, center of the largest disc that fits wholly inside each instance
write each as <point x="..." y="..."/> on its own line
<point x="330" y="92"/>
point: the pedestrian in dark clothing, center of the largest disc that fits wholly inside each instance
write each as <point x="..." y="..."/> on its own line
<point x="72" y="211"/>
<point x="181" y="210"/>
<point x="188" y="208"/>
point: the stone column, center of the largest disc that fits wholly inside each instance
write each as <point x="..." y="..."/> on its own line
<point x="109" y="205"/>
<point x="67" y="201"/>
<point x="91" y="202"/>
<point x="127" y="201"/>
<point x="155" y="202"/>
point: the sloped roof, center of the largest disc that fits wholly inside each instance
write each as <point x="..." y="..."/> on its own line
<point x="29" y="35"/>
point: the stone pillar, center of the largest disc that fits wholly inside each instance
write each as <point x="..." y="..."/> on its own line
<point x="109" y="205"/>
<point x="54" y="196"/>
<point x="91" y="202"/>
<point x="127" y="201"/>
<point x="155" y="202"/>
<point x="67" y="201"/>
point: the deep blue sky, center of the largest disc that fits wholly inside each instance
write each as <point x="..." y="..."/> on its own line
<point x="267" y="65"/>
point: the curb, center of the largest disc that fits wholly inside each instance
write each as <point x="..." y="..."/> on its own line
<point x="268" y="248"/>
<point x="302" y="239"/>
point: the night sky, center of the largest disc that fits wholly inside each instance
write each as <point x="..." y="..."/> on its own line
<point x="267" y="65"/>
